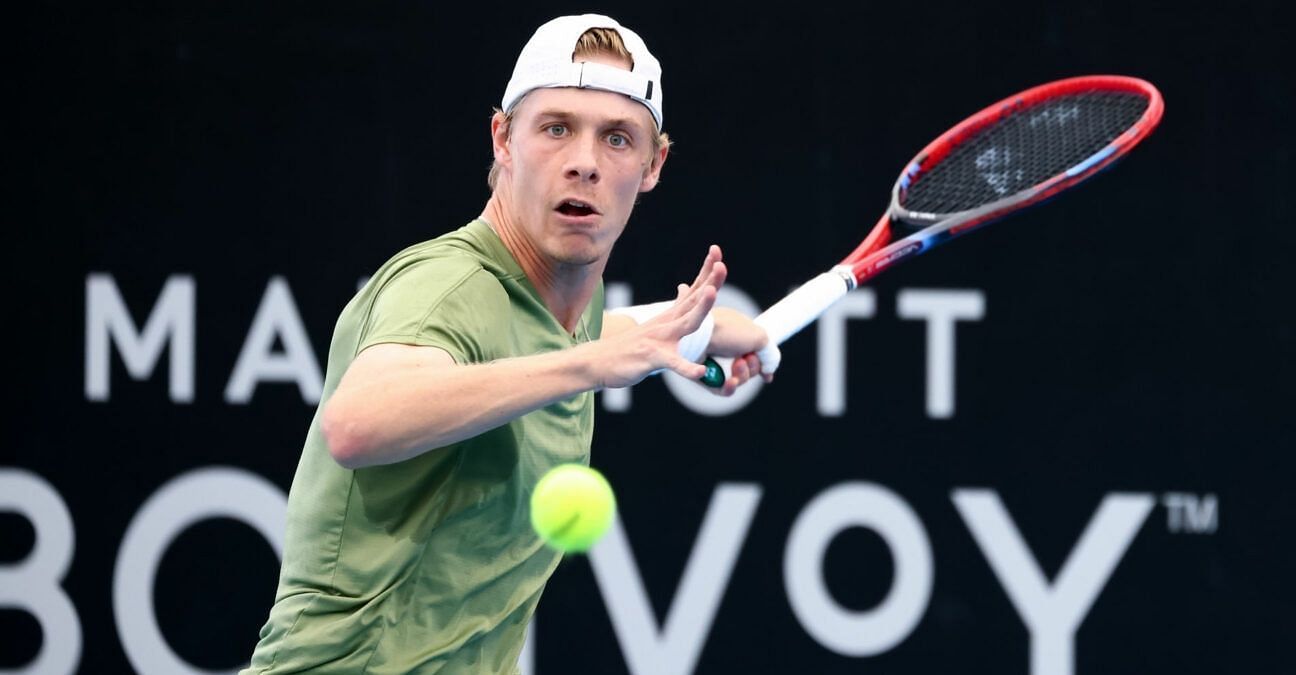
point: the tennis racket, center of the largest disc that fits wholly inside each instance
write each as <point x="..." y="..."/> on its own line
<point x="1015" y="153"/>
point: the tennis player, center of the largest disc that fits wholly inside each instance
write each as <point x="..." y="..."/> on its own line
<point x="465" y="369"/>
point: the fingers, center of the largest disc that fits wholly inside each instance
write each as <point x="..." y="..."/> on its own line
<point x="713" y="257"/>
<point x="700" y="304"/>
<point x="719" y="272"/>
<point x="688" y="298"/>
<point x="693" y="371"/>
<point x="738" y="376"/>
<point x="742" y="369"/>
<point x="692" y="305"/>
<point x="715" y="277"/>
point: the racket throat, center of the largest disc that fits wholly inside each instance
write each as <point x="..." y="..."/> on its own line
<point x="847" y="275"/>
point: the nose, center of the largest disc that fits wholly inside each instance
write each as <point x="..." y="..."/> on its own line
<point x="582" y="160"/>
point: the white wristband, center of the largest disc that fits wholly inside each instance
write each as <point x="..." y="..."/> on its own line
<point x="692" y="347"/>
<point x="641" y="313"/>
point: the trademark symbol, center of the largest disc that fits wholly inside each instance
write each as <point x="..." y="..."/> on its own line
<point x="1191" y="514"/>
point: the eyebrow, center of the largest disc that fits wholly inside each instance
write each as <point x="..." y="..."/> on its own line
<point x="561" y="114"/>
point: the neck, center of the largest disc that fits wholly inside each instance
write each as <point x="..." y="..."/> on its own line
<point x="565" y="289"/>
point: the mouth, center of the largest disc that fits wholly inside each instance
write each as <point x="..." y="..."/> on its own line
<point x="575" y="208"/>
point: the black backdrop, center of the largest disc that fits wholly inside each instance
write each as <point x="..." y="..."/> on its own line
<point x="1133" y="345"/>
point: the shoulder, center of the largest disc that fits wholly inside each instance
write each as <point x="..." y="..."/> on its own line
<point x="427" y="273"/>
<point x="436" y="293"/>
<point x="440" y="289"/>
<point x="429" y="279"/>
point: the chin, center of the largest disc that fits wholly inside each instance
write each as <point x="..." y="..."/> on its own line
<point x="577" y="258"/>
<point x="577" y="251"/>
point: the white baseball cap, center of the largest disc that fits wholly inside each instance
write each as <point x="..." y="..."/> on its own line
<point x="546" y="61"/>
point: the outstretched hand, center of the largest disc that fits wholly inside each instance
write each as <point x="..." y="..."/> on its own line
<point x="645" y="349"/>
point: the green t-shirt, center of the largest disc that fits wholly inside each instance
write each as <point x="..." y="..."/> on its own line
<point x="428" y="565"/>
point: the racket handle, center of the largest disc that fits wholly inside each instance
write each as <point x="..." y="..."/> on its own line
<point x="786" y="318"/>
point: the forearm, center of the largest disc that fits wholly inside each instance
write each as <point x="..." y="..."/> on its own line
<point x="405" y="412"/>
<point x="734" y="334"/>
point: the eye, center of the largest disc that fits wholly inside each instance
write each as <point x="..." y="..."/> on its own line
<point x="556" y="130"/>
<point x="618" y="140"/>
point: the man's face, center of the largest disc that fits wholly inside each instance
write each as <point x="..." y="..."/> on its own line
<point x="575" y="161"/>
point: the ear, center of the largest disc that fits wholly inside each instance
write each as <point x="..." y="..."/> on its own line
<point x="500" y="133"/>
<point x="653" y="173"/>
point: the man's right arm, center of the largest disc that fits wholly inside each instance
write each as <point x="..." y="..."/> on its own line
<point x="398" y="401"/>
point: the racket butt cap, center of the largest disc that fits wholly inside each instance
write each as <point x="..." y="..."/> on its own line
<point x="715" y="375"/>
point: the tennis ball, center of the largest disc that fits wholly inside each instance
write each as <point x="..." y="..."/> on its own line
<point x="572" y="507"/>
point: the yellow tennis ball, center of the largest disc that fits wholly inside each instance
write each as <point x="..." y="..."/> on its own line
<point x="572" y="507"/>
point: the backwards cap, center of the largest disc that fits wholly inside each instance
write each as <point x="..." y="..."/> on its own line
<point x="546" y="61"/>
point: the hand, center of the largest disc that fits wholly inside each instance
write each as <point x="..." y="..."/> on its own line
<point x="737" y="336"/>
<point x="633" y="354"/>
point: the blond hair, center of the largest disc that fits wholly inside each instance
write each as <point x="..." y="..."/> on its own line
<point x="593" y="42"/>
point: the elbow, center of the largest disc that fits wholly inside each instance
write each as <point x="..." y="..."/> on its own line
<point x="343" y="438"/>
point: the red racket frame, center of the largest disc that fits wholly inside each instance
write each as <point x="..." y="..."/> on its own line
<point x="870" y="258"/>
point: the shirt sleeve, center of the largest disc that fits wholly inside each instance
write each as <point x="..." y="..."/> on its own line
<point x="453" y="305"/>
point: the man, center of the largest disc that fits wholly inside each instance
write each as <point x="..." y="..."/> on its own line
<point x="465" y="369"/>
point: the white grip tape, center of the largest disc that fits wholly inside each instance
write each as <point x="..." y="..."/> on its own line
<point x="789" y="315"/>
<point x="770" y="356"/>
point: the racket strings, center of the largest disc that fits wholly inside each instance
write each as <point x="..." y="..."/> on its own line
<point x="1024" y="149"/>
